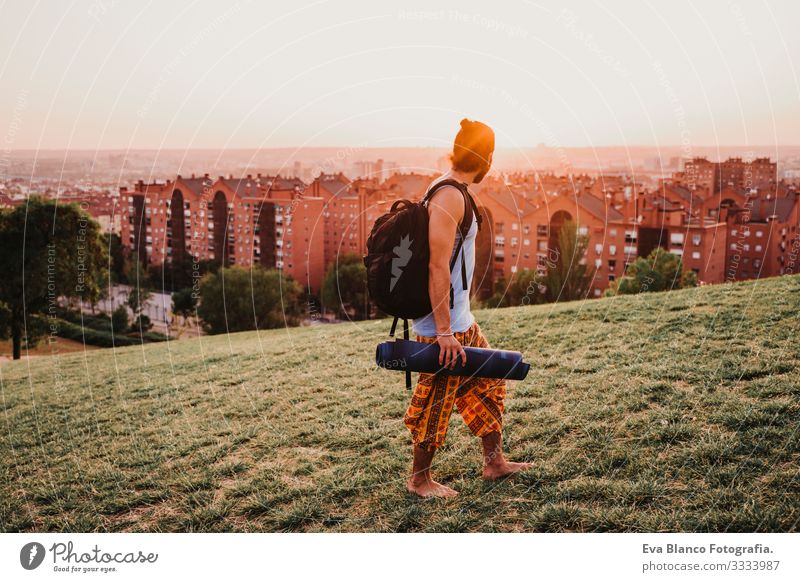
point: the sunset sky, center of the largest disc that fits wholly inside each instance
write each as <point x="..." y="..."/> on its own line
<point x="114" y="74"/>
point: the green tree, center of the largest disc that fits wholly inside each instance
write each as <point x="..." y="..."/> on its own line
<point x="659" y="271"/>
<point x="525" y="289"/>
<point x="47" y="251"/>
<point x="184" y="303"/>
<point x="568" y="276"/>
<point x="142" y="324"/>
<point x="237" y="299"/>
<point x="117" y="257"/>
<point x="119" y="320"/>
<point x="139" y="293"/>
<point x="344" y="289"/>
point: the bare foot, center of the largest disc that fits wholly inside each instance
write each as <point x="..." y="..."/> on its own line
<point x="504" y="469"/>
<point x="430" y="488"/>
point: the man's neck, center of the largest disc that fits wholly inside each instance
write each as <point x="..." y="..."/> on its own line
<point x="465" y="178"/>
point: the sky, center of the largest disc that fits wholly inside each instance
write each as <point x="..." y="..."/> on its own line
<point x="103" y="74"/>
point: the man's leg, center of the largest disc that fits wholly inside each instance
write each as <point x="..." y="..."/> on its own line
<point x="427" y="418"/>
<point x="421" y="481"/>
<point x="481" y="402"/>
<point x="495" y="465"/>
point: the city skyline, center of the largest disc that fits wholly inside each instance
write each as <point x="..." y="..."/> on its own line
<point x="109" y="75"/>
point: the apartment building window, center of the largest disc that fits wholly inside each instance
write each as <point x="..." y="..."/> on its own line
<point x="498" y="227"/>
<point x="612" y="232"/>
<point x="733" y="246"/>
<point x="499" y="241"/>
<point x="597" y="292"/>
<point x="598" y="248"/>
<point x="696" y="240"/>
<point x="513" y="241"/>
<point x="756" y="263"/>
<point x="746" y="247"/>
<point x="598" y="263"/>
<point x="759" y="248"/>
<point x="514" y="226"/>
<point x="630" y="236"/>
<point x="612" y="249"/>
<point x="676" y="239"/>
<point x="759" y="233"/>
<point x="542" y="246"/>
<point x="612" y="264"/>
<point x="734" y="232"/>
<point x="513" y="268"/>
<point x="541" y="230"/>
<point x="526" y="242"/>
<point x="696" y="254"/>
<point x="611" y="277"/>
<point x="583" y="230"/>
<point x="526" y="229"/>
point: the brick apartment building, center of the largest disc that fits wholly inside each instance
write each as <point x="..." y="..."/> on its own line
<point x="721" y="227"/>
<point x="254" y="220"/>
<point x="732" y="173"/>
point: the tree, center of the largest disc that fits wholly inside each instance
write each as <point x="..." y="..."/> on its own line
<point x="526" y="288"/>
<point x="140" y="292"/>
<point x="47" y="251"/>
<point x="237" y="299"/>
<point x="568" y="277"/>
<point x="660" y="271"/>
<point x="142" y="324"/>
<point x="184" y="303"/>
<point x="119" y="319"/>
<point x="344" y="289"/>
<point x="118" y="260"/>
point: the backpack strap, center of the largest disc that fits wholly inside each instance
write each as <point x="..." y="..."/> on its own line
<point x="470" y="213"/>
<point x="405" y="337"/>
<point x="466" y="220"/>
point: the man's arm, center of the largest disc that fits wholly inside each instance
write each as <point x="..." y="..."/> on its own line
<point x="446" y="210"/>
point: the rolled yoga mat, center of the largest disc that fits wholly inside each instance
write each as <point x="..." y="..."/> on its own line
<point x="405" y="355"/>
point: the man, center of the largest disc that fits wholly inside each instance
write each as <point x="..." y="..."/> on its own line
<point x="480" y="401"/>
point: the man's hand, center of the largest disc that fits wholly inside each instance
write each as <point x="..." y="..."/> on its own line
<point x="449" y="351"/>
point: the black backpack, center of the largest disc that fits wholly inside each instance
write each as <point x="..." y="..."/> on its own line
<point x="398" y="254"/>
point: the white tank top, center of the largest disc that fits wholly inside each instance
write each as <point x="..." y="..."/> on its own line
<point x="461" y="317"/>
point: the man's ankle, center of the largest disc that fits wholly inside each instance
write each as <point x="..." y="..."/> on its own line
<point x="494" y="461"/>
<point x="420" y="478"/>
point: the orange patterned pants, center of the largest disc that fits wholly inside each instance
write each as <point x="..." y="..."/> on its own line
<point x="479" y="400"/>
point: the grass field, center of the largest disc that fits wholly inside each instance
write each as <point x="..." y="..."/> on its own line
<point x="659" y="412"/>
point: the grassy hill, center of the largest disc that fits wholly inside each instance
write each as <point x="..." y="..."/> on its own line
<point x="658" y="412"/>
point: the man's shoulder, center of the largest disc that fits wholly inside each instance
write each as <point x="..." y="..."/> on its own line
<point x="447" y="195"/>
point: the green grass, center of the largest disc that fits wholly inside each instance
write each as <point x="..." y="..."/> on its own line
<point x="659" y="412"/>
